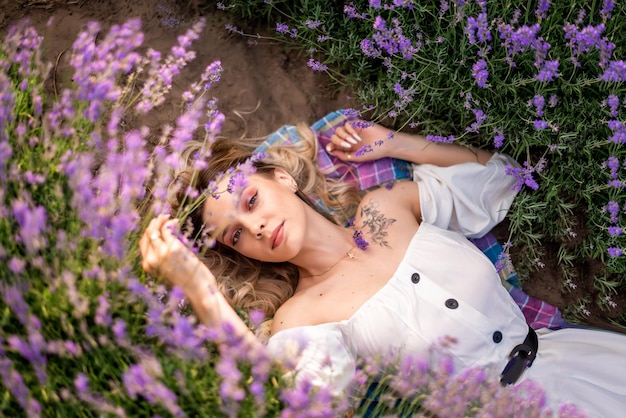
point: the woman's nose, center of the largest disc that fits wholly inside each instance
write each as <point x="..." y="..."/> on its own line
<point x="256" y="227"/>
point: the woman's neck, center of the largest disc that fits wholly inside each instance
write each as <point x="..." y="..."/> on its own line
<point x="326" y="245"/>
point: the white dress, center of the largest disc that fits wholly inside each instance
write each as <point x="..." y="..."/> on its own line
<point x="446" y="287"/>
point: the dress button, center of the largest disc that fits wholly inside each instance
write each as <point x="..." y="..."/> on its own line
<point x="497" y="337"/>
<point x="415" y="278"/>
<point x="452" y="304"/>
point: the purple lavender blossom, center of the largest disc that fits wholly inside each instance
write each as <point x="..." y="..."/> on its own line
<point x="237" y="182"/>
<point x="607" y="8"/>
<point x="32" y="224"/>
<point x="286" y="30"/>
<point x="615" y="71"/>
<point x="615" y="252"/>
<point x="615" y="231"/>
<point x="390" y="40"/>
<point x="548" y="71"/>
<point x="282" y="28"/>
<point x="103" y="317"/>
<point x="363" y="150"/>
<point x="619" y="132"/>
<point x="613" y="102"/>
<point x="523" y="176"/>
<point x="480" y="118"/>
<point x="540" y="124"/>
<point x="233" y="29"/>
<point x="477" y="29"/>
<point x="359" y="241"/>
<point x="613" y="165"/>
<point x="81" y="383"/>
<point x="316" y="65"/>
<point x="498" y="139"/>
<point x="539" y="102"/>
<point x="613" y="209"/>
<point x="138" y="382"/>
<point x="542" y="9"/>
<point x="586" y="39"/>
<point x="438" y="138"/>
<point x="352" y="13"/>
<point x="12" y="379"/>
<point x="312" y="24"/>
<point x="480" y="73"/>
<point x="405" y="96"/>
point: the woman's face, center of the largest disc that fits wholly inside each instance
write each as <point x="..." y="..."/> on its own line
<point x="264" y="219"/>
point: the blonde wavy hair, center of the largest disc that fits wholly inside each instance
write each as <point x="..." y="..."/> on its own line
<point x="246" y="283"/>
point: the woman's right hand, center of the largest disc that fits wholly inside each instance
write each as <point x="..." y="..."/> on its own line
<point x="165" y="256"/>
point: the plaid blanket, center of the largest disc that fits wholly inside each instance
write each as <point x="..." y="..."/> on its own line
<point x="370" y="174"/>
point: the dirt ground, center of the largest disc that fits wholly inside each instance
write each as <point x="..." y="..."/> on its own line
<point x="271" y="83"/>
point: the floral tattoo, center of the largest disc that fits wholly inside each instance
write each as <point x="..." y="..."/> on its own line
<point x="377" y="223"/>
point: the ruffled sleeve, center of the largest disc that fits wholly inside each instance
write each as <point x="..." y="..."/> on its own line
<point x="469" y="198"/>
<point x="317" y="354"/>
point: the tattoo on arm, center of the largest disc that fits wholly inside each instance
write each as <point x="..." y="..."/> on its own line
<point x="376" y="223"/>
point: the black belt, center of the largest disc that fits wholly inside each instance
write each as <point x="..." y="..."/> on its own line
<point x="520" y="358"/>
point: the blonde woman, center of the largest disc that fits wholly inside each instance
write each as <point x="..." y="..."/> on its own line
<point x="389" y="281"/>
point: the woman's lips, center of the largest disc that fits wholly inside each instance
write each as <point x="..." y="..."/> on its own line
<point x="277" y="236"/>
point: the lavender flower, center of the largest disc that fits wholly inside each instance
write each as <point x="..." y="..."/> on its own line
<point x="316" y="65"/>
<point x="312" y="24"/>
<point x="586" y="39"/>
<point x="437" y="138"/>
<point x="32" y="223"/>
<point x="498" y="139"/>
<point x="480" y="73"/>
<point x="390" y="40"/>
<point x="523" y="176"/>
<point x="285" y="30"/>
<point x="607" y="8"/>
<point x="12" y="380"/>
<point x="405" y="96"/>
<point x="615" y="71"/>
<point x="613" y="102"/>
<point x="539" y="102"/>
<point x="160" y="75"/>
<point x="542" y="9"/>
<point x="615" y="252"/>
<point x="615" y="231"/>
<point x="138" y="382"/>
<point x="359" y="241"/>
<point x="352" y="13"/>
<point x="613" y="208"/>
<point x="480" y="118"/>
<point x="619" y="132"/>
<point x="477" y="29"/>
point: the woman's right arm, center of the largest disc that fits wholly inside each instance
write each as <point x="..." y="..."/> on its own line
<point x="165" y="256"/>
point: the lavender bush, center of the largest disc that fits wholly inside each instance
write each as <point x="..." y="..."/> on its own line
<point x="540" y="80"/>
<point x="84" y="331"/>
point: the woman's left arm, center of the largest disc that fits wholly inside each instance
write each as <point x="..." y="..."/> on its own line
<point x="362" y="141"/>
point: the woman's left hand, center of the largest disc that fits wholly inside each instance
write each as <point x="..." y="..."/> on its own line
<point x="166" y="256"/>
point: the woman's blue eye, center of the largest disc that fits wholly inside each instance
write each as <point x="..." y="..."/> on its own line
<point x="252" y="201"/>
<point x="236" y="236"/>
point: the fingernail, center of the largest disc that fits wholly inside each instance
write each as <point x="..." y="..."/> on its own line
<point x="329" y="148"/>
<point x="357" y="137"/>
<point x="352" y="140"/>
<point x="345" y="144"/>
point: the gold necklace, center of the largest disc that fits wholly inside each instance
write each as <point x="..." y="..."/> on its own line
<point x="348" y="254"/>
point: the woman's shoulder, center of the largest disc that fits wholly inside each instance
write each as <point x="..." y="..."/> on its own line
<point x="288" y="315"/>
<point x="395" y="198"/>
